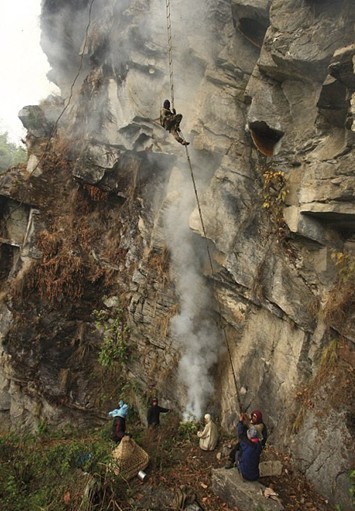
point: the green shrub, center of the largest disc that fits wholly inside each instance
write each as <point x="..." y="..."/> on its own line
<point x="116" y="334"/>
<point x="38" y="470"/>
<point x="10" y="154"/>
<point x="188" y="430"/>
<point x="352" y="485"/>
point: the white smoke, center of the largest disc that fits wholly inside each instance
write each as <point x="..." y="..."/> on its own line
<point x="135" y="57"/>
<point x="194" y="327"/>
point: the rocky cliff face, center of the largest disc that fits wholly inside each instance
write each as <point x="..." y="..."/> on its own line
<point x="232" y="262"/>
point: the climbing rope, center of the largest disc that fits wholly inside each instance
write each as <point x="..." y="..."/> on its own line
<point x="54" y="129"/>
<point x="79" y="68"/>
<point x="171" y="76"/>
<point x="212" y="271"/>
<point x="170" y="51"/>
<point x="68" y="101"/>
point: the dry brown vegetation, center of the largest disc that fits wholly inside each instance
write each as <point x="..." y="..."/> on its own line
<point x="341" y="298"/>
<point x="336" y="364"/>
<point x="95" y="193"/>
<point x="274" y="192"/>
<point x="62" y="271"/>
<point x="74" y="241"/>
<point x="178" y="465"/>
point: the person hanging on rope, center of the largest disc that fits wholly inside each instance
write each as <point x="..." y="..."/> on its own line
<point x="170" y="121"/>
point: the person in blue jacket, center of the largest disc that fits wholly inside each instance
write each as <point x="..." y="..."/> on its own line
<point x="248" y="456"/>
<point x="255" y="420"/>
<point x="113" y="413"/>
<point x="119" y="423"/>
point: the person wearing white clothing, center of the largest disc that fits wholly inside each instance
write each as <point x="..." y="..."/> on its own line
<point x="209" y="436"/>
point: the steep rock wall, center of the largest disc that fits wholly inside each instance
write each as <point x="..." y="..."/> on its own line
<point x="238" y="308"/>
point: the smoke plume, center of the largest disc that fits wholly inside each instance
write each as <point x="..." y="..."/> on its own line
<point x="194" y="327"/>
<point x="121" y="50"/>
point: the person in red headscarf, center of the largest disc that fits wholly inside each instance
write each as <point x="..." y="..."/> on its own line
<point x="256" y="420"/>
<point x="244" y="424"/>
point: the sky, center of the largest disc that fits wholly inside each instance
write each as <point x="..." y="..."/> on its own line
<point x="24" y="65"/>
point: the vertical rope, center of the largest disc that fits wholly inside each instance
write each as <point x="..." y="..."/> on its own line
<point x="68" y="100"/>
<point x="170" y="51"/>
<point x="80" y="65"/>
<point x="171" y="75"/>
<point x="212" y="270"/>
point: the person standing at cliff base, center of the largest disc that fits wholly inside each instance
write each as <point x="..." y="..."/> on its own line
<point x="119" y="423"/>
<point x="209" y="436"/>
<point x="153" y="414"/>
<point x="170" y="121"/>
<point x="113" y="413"/>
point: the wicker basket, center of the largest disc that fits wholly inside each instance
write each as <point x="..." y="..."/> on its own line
<point x="129" y="458"/>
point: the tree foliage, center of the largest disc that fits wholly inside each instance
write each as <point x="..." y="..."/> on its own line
<point x="10" y="154"/>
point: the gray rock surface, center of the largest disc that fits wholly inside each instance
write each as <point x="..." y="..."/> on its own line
<point x="34" y="120"/>
<point x="264" y="87"/>
<point x="244" y="495"/>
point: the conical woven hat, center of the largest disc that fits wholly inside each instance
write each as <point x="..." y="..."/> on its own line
<point x="129" y="458"/>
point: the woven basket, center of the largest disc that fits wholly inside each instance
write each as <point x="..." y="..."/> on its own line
<point x="129" y="458"/>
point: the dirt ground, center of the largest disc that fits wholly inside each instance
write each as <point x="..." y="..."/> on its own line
<point x="191" y="471"/>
